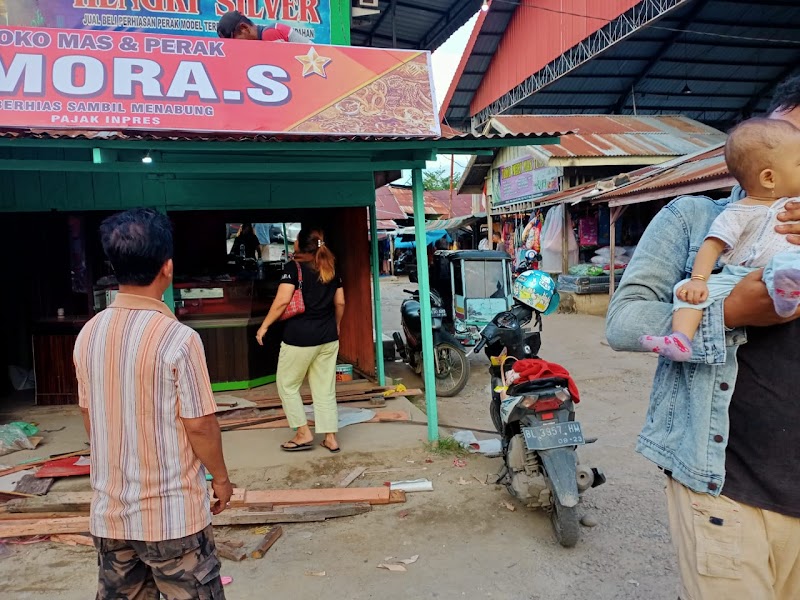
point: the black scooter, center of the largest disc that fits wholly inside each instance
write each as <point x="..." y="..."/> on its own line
<point x="451" y="367"/>
<point x="536" y="420"/>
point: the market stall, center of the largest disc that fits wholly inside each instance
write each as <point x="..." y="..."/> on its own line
<point x="271" y="148"/>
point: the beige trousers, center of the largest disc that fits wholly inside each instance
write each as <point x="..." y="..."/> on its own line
<point x="319" y="363"/>
<point x="731" y="551"/>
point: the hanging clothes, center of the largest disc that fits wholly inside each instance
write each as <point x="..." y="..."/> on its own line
<point x="552" y="241"/>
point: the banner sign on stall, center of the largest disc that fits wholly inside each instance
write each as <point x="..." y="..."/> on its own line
<point x="94" y="80"/>
<point x="521" y="181"/>
<point x="312" y="18"/>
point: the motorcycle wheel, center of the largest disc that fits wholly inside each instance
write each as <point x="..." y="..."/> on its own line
<point x="494" y="412"/>
<point x="565" y="523"/>
<point x="453" y="369"/>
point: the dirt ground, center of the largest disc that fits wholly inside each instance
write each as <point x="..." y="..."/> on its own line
<point x="470" y="545"/>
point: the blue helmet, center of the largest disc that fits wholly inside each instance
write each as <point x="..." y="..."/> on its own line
<point x="536" y="290"/>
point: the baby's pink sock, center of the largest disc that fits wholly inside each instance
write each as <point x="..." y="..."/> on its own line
<point x="675" y="346"/>
<point x="787" y="292"/>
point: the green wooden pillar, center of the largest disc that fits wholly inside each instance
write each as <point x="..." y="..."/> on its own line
<point x="376" y="295"/>
<point x="340" y="22"/>
<point x="425" y="305"/>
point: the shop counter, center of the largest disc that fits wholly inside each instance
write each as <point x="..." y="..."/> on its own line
<point x="53" y="344"/>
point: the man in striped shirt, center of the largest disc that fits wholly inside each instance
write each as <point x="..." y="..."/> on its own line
<point x="147" y="404"/>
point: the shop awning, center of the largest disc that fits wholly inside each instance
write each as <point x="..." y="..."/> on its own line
<point x="443" y="224"/>
<point x="431" y="238"/>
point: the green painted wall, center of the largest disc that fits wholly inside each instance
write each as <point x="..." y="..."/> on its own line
<point x="36" y="191"/>
<point x="340" y="22"/>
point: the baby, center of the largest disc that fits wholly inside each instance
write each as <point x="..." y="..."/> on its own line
<point x="764" y="157"/>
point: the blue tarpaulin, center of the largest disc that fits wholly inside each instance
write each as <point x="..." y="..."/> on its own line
<point x="432" y="238"/>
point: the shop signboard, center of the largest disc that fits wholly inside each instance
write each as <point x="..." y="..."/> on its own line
<point x="519" y="180"/>
<point x="312" y="18"/>
<point x="108" y="80"/>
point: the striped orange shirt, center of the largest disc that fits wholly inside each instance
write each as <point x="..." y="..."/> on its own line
<point x="139" y="373"/>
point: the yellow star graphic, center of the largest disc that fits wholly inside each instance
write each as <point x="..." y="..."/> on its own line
<point x="313" y="63"/>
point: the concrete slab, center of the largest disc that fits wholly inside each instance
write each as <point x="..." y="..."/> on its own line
<point x="258" y="448"/>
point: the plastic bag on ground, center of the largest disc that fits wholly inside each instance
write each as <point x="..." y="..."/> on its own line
<point x="13" y="438"/>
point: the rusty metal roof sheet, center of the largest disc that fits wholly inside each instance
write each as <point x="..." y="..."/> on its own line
<point x="613" y="135"/>
<point x="702" y="171"/>
<point x="706" y="166"/>
<point x="386" y="206"/>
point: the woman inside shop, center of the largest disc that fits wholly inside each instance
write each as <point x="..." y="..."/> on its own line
<point x="246" y="243"/>
<point x="310" y="339"/>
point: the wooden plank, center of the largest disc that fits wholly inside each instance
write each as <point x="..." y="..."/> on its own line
<point x="25" y="527"/>
<point x="245" y="423"/>
<point x="289" y="514"/>
<point x="73" y="539"/>
<point x="230" y="552"/>
<point x="390" y="416"/>
<point x="273" y="535"/>
<point x="351" y="477"/>
<point x="397" y="497"/>
<point x="34" y="486"/>
<point x="79" y="502"/>
<point x="62" y="502"/>
<point x="374" y="495"/>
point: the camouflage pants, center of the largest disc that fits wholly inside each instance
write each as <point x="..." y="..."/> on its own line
<point x="183" y="569"/>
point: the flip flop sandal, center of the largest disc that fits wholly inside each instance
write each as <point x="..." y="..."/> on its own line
<point x="296" y="447"/>
<point x="329" y="449"/>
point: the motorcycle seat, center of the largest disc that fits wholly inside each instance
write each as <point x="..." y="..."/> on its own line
<point x="527" y="387"/>
<point x="410" y="309"/>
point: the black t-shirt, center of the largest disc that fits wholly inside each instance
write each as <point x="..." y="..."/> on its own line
<point x="250" y="243"/>
<point x="763" y="456"/>
<point x="317" y="325"/>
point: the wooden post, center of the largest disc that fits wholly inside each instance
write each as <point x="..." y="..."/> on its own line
<point x="616" y="213"/>
<point x="273" y="534"/>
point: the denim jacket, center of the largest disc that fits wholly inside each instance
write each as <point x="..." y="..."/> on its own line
<point x="686" y="427"/>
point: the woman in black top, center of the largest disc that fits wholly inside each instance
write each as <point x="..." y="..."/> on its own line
<point x="310" y="340"/>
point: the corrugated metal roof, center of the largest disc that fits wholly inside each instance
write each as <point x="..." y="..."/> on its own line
<point x="241" y="137"/>
<point x="398" y="198"/>
<point x="386" y="205"/>
<point x="701" y="172"/>
<point x="420" y="25"/>
<point x="730" y="53"/>
<point x="615" y="136"/>
<point x="706" y="166"/>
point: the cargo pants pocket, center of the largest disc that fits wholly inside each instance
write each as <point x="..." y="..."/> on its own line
<point x="209" y="582"/>
<point x="718" y="538"/>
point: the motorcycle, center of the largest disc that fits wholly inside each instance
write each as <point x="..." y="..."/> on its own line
<point x="536" y="420"/>
<point x="451" y="367"/>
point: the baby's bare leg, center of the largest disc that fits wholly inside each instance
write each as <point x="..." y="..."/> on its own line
<point x="677" y="345"/>
<point x="687" y="321"/>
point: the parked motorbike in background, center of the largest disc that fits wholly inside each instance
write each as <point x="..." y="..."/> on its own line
<point x="451" y="367"/>
<point x="536" y="418"/>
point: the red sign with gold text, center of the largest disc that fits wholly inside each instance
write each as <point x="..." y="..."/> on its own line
<point x="104" y="80"/>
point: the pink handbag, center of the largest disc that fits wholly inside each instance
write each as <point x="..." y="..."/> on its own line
<point x="297" y="306"/>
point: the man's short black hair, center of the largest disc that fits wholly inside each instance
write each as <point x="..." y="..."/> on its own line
<point x="787" y="95"/>
<point x="137" y="242"/>
<point x="229" y="22"/>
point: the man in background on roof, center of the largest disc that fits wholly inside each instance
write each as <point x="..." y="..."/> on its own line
<point x="723" y="426"/>
<point x="234" y="25"/>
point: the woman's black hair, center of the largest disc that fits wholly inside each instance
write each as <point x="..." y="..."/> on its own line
<point x="787" y="95"/>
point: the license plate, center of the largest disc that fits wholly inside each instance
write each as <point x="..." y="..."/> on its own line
<point x="556" y="435"/>
<point x="438" y="312"/>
